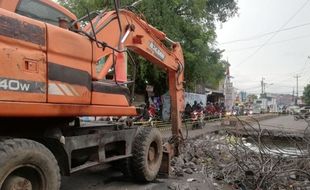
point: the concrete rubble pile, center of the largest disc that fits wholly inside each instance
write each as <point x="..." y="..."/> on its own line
<point x="222" y="159"/>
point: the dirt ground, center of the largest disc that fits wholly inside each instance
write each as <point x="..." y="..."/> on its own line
<point x="99" y="178"/>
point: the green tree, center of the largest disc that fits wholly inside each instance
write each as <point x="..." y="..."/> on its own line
<point x="306" y="94"/>
<point x="190" y="22"/>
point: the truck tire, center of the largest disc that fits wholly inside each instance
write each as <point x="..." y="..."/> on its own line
<point x="27" y="165"/>
<point x="147" y="154"/>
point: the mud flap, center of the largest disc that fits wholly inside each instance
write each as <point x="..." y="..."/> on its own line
<point x="168" y="153"/>
<point x="165" y="170"/>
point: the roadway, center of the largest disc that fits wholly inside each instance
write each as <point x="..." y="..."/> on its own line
<point x="280" y="126"/>
<point x="285" y="123"/>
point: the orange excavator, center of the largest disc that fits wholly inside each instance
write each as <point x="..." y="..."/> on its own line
<point x="56" y="68"/>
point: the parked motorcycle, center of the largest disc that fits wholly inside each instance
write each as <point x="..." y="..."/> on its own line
<point x="147" y="114"/>
<point x="197" y="118"/>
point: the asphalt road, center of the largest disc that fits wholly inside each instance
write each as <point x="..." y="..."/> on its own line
<point x="285" y="123"/>
<point x="282" y="125"/>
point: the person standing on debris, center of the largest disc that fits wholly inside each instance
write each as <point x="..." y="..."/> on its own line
<point x="222" y="109"/>
<point x="195" y="106"/>
<point x="209" y="109"/>
<point x="212" y="108"/>
<point x="200" y="106"/>
<point x="188" y="109"/>
<point x="217" y="107"/>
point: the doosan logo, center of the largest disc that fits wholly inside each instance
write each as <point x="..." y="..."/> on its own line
<point x="156" y="51"/>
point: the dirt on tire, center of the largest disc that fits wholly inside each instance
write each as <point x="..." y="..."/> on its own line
<point x="21" y="158"/>
<point x="147" y="154"/>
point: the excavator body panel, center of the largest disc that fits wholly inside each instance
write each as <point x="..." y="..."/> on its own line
<point x="47" y="71"/>
<point x="69" y="60"/>
<point x="22" y="58"/>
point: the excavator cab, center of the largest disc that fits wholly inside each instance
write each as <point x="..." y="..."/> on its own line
<point x="51" y="74"/>
<point x="57" y="67"/>
<point x="70" y="76"/>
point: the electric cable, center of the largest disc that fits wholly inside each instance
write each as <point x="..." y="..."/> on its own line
<point x="273" y="43"/>
<point x="274" y="35"/>
<point x="264" y="34"/>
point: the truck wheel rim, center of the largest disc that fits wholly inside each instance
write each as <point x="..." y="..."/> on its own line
<point x="153" y="156"/>
<point x="25" y="177"/>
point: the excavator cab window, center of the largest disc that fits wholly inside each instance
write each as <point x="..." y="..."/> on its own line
<point x="100" y="64"/>
<point x="111" y="75"/>
<point x="40" y="11"/>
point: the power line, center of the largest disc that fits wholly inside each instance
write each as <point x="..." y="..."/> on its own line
<point x="273" y="43"/>
<point x="274" y="34"/>
<point x="275" y="85"/>
<point x="301" y="72"/>
<point x="265" y="34"/>
<point x="258" y="90"/>
<point x="283" y="86"/>
<point x="251" y="88"/>
<point x="274" y="82"/>
<point x="305" y="66"/>
<point x="278" y="83"/>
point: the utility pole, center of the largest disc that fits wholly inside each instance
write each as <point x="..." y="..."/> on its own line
<point x="263" y="85"/>
<point x="297" y="77"/>
<point x="293" y="95"/>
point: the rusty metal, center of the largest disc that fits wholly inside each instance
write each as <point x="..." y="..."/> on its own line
<point x="168" y="153"/>
<point x="164" y="169"/>
<point x="101" y="138"/>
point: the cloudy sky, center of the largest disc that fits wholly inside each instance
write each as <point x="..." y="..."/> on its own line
<point x="270" y="39"/>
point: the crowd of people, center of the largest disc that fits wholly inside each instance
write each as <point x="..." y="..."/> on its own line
<point x="210" y="109"/>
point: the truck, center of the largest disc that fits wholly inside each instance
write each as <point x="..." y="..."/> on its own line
<point x="56" y="68"/>
<point x="260" y="106"/>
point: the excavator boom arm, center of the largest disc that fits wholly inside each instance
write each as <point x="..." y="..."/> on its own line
<point x="123" y="29"/>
